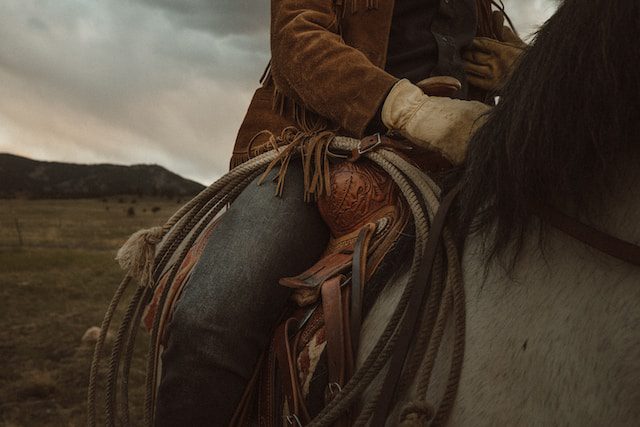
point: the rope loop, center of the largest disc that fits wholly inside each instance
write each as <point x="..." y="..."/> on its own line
<point x="137" y="255"/>
<point x="416" y="414"/>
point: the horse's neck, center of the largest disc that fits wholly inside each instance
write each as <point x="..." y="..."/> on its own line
<point x="620" y="213"/>
<point x="556" y="340"/>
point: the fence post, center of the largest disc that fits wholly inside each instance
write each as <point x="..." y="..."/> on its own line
<point x="19" y="231"/>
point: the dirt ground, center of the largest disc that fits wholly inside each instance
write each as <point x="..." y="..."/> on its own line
<point x="57" y="275"/>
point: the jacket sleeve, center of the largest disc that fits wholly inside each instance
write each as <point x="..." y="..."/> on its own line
<point x="312" y="65"/>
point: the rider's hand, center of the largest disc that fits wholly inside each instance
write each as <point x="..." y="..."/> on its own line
<point x="488" y="62"/>
<point x="432" y="122"/>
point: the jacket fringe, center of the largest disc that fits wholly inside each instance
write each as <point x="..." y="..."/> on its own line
<point x="239" y="158"/>
<point x="314" y="153"/>
<point x="306" y="123"/>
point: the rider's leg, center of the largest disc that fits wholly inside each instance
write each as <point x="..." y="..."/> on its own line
<point x="232" y="301"/>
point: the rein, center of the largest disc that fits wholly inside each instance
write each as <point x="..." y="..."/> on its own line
<point x="603" y="242"/>
<point x="410" y="324"/>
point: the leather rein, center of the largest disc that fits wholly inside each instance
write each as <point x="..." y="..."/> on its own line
<point x="603" y="242"/>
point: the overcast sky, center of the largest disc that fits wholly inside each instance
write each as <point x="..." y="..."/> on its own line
<point x="140" y="81"/>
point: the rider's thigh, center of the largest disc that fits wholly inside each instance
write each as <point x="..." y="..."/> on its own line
<point x="232" y="301"/>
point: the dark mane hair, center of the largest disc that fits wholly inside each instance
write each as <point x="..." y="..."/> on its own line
<point x="569" y="114"/>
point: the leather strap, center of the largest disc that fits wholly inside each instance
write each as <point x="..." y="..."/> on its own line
<point x="240" y="418"/>
<point x="287" y="367"/>
<point x="410" y="321"/>
<point x="335" y="332"/>
<point x="590" y="236"/>
<point x="283" y="356"/>
<point x="374" y="141"/>
<point x="267" y="391"/>
<point x="358" y="279"/>
<point x="335" y="304"/>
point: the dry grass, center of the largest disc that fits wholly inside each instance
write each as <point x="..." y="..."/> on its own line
<point x="57" y="275"/>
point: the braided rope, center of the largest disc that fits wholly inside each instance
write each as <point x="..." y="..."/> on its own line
<point x="414" y="361"/>
<point x="452" y="301"/>
<point x="436" y="340"/>
<point x="429" y="193"/>
<point x="455" y="283"/>
<point x="455" y="372"/>
<point x="152" y="355"/>
<point x="187" y="214"/>
<point x="123" y="409"/>
<point x="114" y="363"/>
<point x="383" y="349"/>
<point x="185" y="226"/>
<point x="99" y="348"/>
<point x="213" y="192"/>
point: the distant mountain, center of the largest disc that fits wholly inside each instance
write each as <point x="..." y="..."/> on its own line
<point x="22" y="177"/>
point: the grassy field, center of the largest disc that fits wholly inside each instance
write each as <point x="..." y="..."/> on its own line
<point x="57" y="275"/>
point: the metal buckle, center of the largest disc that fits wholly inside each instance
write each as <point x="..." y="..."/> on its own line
<point x="331" y="387"/>
<point x="293" y="420"/>
<point x="372" y="147"/>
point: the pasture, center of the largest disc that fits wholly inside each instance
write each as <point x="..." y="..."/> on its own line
<point x="57" y="275"/>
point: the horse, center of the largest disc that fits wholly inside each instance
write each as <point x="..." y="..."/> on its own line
<point x="552" y="323"/>
<point x="533" y="324"/>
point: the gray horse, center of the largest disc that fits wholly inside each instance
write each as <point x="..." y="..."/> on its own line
<point x="549" y="334"/>
<point x="552" y="322"/>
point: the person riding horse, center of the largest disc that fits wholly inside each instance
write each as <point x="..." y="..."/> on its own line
<point x="352" y="68"/>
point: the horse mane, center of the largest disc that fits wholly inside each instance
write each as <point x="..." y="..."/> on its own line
<point x="566" y="119"/>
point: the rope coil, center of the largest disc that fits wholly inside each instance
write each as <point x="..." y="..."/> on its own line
<point x="151" y="254"/>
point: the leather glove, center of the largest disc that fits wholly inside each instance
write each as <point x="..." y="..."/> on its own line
<point x="488" y="62"/>
<point x="436" y="123"/>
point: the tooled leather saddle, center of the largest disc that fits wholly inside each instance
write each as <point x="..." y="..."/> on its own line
<point x="366" y="217"/>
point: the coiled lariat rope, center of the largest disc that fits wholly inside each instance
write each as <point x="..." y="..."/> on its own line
<point x="159" y="252"/>
<point x="210" y="201"/>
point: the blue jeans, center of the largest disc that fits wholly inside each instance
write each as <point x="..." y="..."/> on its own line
<point x="230" y="305"/>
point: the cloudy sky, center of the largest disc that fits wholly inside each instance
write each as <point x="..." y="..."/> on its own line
<point x="140" y="81"/>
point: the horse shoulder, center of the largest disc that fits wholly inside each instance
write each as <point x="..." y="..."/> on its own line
<point x="554" y="341"/>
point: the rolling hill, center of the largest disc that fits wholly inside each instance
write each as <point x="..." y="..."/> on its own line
<point x="27" y="178"/>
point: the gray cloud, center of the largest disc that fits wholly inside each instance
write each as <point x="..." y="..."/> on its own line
<point x="122" y="81"/>
<point x="220" y="16"/>
<point x="130" y="81"/>
<point x="528" y="15"/>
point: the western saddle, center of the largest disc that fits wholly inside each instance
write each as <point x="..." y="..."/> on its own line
<point x="367" y="219"/>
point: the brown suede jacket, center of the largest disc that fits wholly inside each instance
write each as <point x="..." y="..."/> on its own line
<point x="327" y="70"/>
